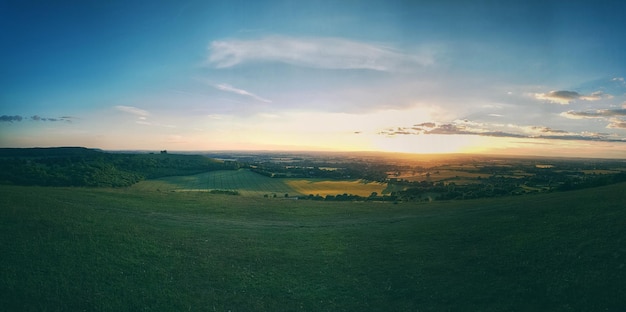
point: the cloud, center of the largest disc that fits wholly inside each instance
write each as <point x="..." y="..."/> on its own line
<point x="215" y="116"/>
<point x="600" y="113"/>
<point x="594" y="96"/>
<point x="615" y="117"/>
<point x="464" y="127"/>
<point x="176" y="139"/>
<point x="426" y="124"/>
<point x="566" y="97"/>
<point x="142" y="115"/>
<point x="547" y="130"/>
<point x="616" y="123"/>
<point x="17" y="118"/>
<point x="5" y="118"/>
<point x="268" y="115"/>
<point x="133" y="110"/>
<point x="229" y="88"/>
<point x="328" y="53"/>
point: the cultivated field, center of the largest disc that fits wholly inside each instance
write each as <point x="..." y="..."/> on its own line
<point x="133" y="249"/>
<point x="327" y="187"/>
<point x="248" y="183"/>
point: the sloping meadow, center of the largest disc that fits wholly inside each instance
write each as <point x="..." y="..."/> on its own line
<point x="128" y="249"/>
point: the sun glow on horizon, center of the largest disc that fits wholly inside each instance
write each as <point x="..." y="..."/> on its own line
<point x="270" y="76"/>
<point x="429" y="144"/>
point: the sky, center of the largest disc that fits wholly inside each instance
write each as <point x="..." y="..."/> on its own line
<point x="505" y="77"/>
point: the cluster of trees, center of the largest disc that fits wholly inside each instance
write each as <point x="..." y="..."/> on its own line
<point x="224" y="192"/>
<point x="592" y="181"/>
<point x="279" y="171"/>
<point x="496" y="186"/>
<point x="350" y="197"/>
<point x="68" y="173"/>
<point x="441" y="191"/>
<point x="88" y="167"/>
<point x="356" y="170"/>
<point x="338" y="197"/>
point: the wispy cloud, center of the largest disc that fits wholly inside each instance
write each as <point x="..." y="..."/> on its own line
<point x="174" y="138"/>
<point x="133" y="110"/>
<point x="229" y="88"/>
<point x="565" y="97"/>
<point x="329" y="53"/>
<point x="215" y="116"/>
<point x="619" y="80"/>
<point x="465" y="127"/>
<point x="18" y="118"/>
<point x="142" y="115"/>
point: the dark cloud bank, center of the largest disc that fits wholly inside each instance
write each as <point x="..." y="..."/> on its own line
<point x="18" y="118"/>
<point x="598" y="113"/>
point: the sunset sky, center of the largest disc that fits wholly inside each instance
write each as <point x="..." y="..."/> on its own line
<point x="513" y="77"/>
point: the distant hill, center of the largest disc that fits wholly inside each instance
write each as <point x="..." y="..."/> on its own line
<point x="78" y="166"/>
<point x="48" y="152"/>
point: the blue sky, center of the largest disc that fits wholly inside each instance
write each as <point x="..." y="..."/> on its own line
<point x="516" y="77"/>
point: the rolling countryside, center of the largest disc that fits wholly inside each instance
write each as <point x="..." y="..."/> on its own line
<point x="248" y="183"/>
<point x="272" y="155"/>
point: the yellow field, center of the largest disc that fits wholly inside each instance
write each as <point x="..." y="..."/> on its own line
<point x="326" y="187"/>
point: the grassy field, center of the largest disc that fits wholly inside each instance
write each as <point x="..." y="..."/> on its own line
<point x="79" y="249"/>
<point x="248" y="183"/>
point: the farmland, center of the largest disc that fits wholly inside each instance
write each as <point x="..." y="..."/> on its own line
<point x="324" y="187"/>
<point x="179" y="240"/>
<point x="249" y="183"/>
<point x="437" y="177"/>
<point x="316" y="176"/>
<point x="129" y="249"/>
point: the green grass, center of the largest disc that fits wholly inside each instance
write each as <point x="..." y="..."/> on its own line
<point x="75" y="249"/>
<point x="245" y="181"/>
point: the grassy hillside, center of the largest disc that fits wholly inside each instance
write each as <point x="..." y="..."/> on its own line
<point x="244" y="181"/>
<point x="129" y="250"/>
